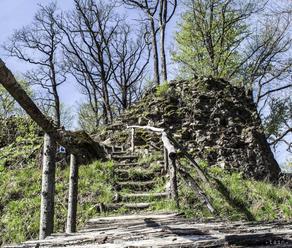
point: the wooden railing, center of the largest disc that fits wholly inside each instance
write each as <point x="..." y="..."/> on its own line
<point x="76" y="143"/>
<point x="169" y="156"/>
<point x="172" y="165"/>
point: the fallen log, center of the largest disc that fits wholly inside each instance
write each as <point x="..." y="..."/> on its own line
<point x="79" y="143"/>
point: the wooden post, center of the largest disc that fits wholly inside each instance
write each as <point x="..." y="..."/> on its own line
<point x="165" y="159"/>
<point x="73" y="194"/>
<point x="48" y="187"/>
<point x="173" y="180"/>
<point x="171" y="157"/>
<point x="132" y="140"/>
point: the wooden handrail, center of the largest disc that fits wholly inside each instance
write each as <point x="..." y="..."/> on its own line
<point x="168" y="139"/>
<point x="170" y="156"/>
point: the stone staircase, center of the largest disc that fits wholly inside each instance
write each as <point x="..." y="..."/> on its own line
<point x="139" y="185"/>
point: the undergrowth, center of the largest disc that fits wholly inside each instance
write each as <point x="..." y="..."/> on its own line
<point x="236" y="198"/>
<point x="232" y="196"/>
<point x="20" y="198"/>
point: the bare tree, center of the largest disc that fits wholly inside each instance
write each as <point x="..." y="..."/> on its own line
<point x="103" y="56"/>
<point x="37" y="44"/>
<point x="150" y="8"/>
<point x="164" y="18"/>
<point x="131" y="57"/>
<point x="89" y="32"/>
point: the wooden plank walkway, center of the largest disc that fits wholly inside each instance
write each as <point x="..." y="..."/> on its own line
<point x="169" y="230"/>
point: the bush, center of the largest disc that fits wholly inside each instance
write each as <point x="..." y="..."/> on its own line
<point x="162" y="89"/>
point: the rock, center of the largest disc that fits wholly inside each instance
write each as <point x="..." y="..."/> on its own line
<point x="209" y="112"/>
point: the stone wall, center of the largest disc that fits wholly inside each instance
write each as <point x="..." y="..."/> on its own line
<point x="216" y="121"/>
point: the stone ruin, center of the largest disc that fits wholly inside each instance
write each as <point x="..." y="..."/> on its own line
<point x="214" y="120"/>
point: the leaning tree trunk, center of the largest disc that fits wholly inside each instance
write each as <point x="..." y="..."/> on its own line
<point x="75" y="142"/>
<point x="48" y="187"/>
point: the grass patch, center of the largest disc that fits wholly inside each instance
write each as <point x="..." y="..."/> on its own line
<point x="235" y="198"/>
<point x="149" y="159"/>
<point x="20" y="198"/>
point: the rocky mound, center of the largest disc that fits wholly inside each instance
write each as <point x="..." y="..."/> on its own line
<point x="214" y="120"/>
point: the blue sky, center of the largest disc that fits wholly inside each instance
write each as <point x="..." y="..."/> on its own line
<point x="14" y="14"/>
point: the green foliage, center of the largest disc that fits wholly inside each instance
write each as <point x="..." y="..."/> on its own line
<point x="19" y="141"/>
<point x="235" y="198"/>
<point x="66" y="113"/>
<point x="202" y="47"/>
<point x="87" y="118"/>
<point x="280" y="115"/>
<point x="20" y="198"/>
<point x="8" y="105"/>
<point x="162" y="89"/>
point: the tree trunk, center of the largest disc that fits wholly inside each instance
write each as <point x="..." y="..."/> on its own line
<point x="73" y="195"/>
<point x="48" y="187"/>
<point x="125" y="97"/>
<point x="57" y="108"/>
<point x="163" y="19"/>
<point x="165" y="154"/>
<point x="75" y="142"/>
<point x="155" y="52"/>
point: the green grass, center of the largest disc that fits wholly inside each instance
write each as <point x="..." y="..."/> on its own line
<point x="234" y="198"/>
<point x="20" y="198"/>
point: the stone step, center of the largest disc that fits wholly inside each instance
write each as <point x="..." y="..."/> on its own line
<point x="128" y="206"/>
<point x="144" y="196"/>
<point x="127" y="165"/>
<point x="117" y="148"/>
<point x="125" y="157"/>
<point x="111" y="149"/>
<point x="136" y="185"/>
<point x="119" y="153"/>
<point x="136" y="174"/>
